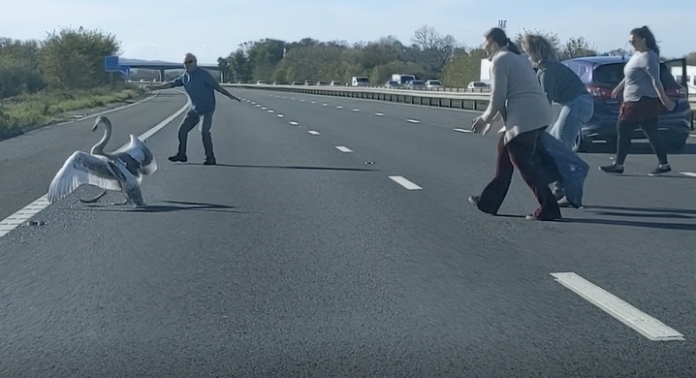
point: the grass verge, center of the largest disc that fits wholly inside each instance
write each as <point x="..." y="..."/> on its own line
<point x="46" y="107"/>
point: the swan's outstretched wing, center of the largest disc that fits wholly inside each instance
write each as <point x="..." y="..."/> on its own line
<point x="82" y="168"/>
<point x="138" y="151"/>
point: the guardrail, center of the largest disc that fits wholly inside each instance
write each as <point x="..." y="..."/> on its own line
<point x="446" y="99"/>
<point x="457" y="100"/>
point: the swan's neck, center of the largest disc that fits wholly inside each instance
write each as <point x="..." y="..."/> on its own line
<point x="99" y="147"/>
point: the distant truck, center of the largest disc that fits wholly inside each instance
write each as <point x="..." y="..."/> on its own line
<point x="403" y="79"/>
<point x="485" y="75"/>
<point x="690" y="77"/>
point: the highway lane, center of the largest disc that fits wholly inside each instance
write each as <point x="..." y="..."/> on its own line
<point x="293" y="258"/>
<point x="29" y="162"/>
<point x="635" y="223"/>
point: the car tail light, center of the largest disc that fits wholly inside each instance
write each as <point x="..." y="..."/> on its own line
<point x="678" y="92"/>
<point x="599" y="92"/>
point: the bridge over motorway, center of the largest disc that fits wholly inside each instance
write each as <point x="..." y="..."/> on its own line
<point x="125" y="65"/>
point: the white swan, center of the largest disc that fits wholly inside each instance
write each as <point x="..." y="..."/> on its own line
<point x="120" y="171"/>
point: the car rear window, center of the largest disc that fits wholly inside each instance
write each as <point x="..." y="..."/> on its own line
<point x="610" y="75"/>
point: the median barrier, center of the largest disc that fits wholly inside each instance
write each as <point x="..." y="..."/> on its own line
<point x="445" y="99"/>
<point x="448" y="98"/>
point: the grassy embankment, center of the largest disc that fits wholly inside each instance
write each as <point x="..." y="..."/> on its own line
<point x="50" y="106"/>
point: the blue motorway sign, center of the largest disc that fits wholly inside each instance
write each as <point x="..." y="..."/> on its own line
<point x="124" y="71"/>
<point x="111" y="64"/>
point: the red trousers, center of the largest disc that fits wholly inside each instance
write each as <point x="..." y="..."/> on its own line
<point x="519" y="152"/>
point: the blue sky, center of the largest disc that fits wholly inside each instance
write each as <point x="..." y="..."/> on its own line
<point x="165" y="30"/>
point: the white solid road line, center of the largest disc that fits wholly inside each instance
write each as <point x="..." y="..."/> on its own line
<point x="405" y="182"/>
<point x="27" y="212"/>
<point x="343" y="149"/>
<point x="463" y="130"/>
<point x="689" y="174"/>
<point x="313" y="132"/>
<point x="641" y="322"/>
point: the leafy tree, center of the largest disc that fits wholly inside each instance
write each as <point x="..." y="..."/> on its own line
<point x="74" y="59"/>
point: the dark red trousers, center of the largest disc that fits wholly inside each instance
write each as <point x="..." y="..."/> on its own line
<point x="519" y="152"/>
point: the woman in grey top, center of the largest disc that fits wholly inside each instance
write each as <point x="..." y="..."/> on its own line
<point x="517" y="98"/>
<point x="563" y="86"/>
<point x="644" y="99"/>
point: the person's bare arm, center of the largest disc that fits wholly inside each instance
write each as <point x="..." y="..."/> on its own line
<point x="224" y="91"/>
<point x="166" y="85"/>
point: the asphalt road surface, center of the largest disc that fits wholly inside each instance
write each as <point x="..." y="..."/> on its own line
<point x="336" y="241"/>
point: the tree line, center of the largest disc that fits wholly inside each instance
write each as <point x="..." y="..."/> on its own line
<point x="429" y="55"/>
<point x="72" y="59"/>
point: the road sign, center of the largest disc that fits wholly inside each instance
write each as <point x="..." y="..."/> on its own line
<point x="124" y="70"/>
<point x="111" y="64"/>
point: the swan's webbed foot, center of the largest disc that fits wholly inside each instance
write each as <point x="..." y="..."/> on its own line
<point x="95" y="199"/>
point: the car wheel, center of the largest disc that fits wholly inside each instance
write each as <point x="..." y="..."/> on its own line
<point x="580" y="144"/>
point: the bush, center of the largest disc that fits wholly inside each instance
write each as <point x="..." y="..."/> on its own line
<point x="39" y="81"/>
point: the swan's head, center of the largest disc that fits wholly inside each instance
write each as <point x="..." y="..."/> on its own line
<point x="100" y="119"/>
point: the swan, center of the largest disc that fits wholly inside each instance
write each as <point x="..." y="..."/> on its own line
<point x="121" y="170"/>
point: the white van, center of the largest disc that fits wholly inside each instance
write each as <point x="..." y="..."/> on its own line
<point x="360" y="81"/>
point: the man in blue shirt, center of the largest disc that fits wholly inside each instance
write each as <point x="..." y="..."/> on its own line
<point x="200" y="86"/>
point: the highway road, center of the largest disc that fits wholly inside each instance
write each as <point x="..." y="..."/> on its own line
<point x="334" y="239"/>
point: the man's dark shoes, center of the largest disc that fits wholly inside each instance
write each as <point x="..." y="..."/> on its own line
<point x="210" y="162"/>
<point x="177" y="157"/>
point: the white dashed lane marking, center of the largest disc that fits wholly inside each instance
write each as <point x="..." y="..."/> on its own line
<point x="379" y="114"/>
<point x="280" y="116"/>
<point x="688" y="174"/>
<point x="406" y="183"/>
<point x="639" y="321"/>
<point x="413" y="120"/>
<point x="294" y="123"/>
<point x="313" y="132"/>
<point x="343" y="149"/>
<point x="463" y="130"/>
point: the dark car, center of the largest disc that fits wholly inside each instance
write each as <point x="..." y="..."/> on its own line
<point x="601" y="74"/>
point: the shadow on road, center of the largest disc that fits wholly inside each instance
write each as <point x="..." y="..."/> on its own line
<point x="636" y="212"/>
<point x="651" y="225"/>
<point x="640" y="147"/>
<point x="643" y="209"/>
<point x="173" y="206"/>
<point x="291" y="167"/>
